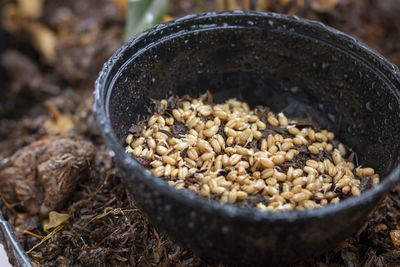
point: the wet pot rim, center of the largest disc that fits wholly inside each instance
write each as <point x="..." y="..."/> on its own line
<point x="101" y="110"/>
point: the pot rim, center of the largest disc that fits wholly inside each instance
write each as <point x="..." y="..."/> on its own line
<point x="101" y="110"/>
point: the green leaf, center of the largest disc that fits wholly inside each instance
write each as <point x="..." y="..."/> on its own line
<point x="143" y="14"/>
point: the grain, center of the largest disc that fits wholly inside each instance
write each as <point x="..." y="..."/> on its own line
<point x="227" y="152"/>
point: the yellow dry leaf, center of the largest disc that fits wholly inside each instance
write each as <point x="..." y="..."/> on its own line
<point x="58" y="123"/>
<point x="395" y="236"/>
<point x="30" y="8"/>
<point x="284" y="2"/>
<point x="246" y="4"/>
<point x="323" y="6"/>
<point x="233" y="5"/>
<point x="43" y="39"/>
<point x="62" y="125"/>
<point x="261" y="5"/>
<point x="121" y="4"/>
<point x="220" y="5"/>
<point x="167" y="18"/>
<point x="55" y="219"/>
<point x="22" y="16"/>
<point x="10" y="19"/>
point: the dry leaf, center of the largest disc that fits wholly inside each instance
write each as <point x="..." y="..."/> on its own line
<point x="246" y="4"/>
<point x="323" y="6"/>
<point x="44" y="39"/>
<point x="121" y="4"/>
<point x="395" y="236"/>
<point x="167" y="18"/>
<point x="30" y="8"/>
<point x="11" y="20"/>
<point x="261" y="5"/>
<point x="233" y="5"/>
<point x="220" y="5"/>
<point x="58" y="123"/>
<point x="284" y="2"/>
<point x="62" y="125"/>
<point x="55" y="219"/>
<point x="22" y="17"/>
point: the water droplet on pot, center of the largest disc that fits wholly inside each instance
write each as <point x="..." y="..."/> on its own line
<point x="325" y="65"/>
<point x="331" y="117"/>
<point x="368" y="106"/>
<point x="250" y="22"/>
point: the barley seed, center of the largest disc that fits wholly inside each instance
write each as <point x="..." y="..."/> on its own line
<point x="231" y="153"/>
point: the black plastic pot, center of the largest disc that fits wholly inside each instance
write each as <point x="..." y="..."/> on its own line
<point x="16" y="254"/>
<point x="262" y="58"/>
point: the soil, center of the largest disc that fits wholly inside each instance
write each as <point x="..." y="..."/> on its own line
<point x="50" y="60"/>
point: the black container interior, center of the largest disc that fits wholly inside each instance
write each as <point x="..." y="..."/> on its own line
<point x="294" y="69"/>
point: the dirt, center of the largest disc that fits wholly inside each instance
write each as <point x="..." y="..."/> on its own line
<point x="49" y="98"/>
<point x="41" y="177"/>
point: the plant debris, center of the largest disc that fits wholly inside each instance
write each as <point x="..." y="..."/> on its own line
<point x="41" y="177"/>
<point x="395" y="236"/>
<point x="87" y="33"/>
<point x="55" y="219"/>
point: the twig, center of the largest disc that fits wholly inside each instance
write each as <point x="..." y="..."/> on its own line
<point x="8" y="206"/>
<point x="47" y="237"/>
<point x="109" y="210"/>
<point x="33" y="234"/>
